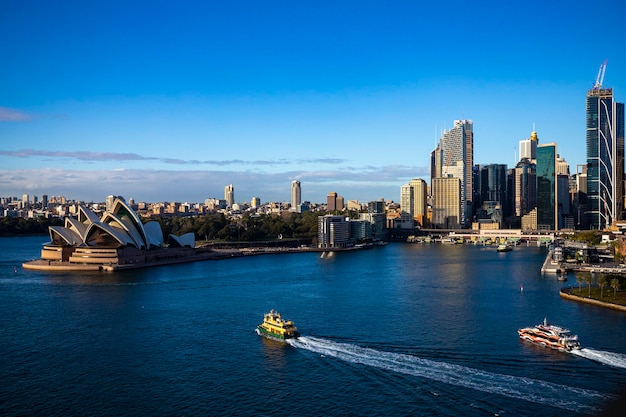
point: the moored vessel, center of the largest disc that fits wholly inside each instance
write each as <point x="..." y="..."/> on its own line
<point x="275" y="327"/>
<point x="549" y="335"/>
<point x="504" y="247"/>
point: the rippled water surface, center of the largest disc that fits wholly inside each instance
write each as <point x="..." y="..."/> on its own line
<point x="398" y="330"/>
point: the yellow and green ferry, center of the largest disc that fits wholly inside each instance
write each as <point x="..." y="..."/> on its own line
<point x="275" y="327"/>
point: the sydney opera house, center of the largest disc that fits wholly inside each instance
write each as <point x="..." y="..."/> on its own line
<point x="116" y="240"/>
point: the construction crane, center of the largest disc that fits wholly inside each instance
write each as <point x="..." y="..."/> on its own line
<point x="600" y="76"/>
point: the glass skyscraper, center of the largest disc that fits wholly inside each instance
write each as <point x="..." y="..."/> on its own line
<point x="547" y="202"/>
<point x="605" y="158"/>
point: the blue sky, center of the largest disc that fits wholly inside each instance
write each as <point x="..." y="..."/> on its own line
<point x="163" y="101"/>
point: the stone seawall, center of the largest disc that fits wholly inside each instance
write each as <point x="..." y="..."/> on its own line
<point x="565" y="294"/>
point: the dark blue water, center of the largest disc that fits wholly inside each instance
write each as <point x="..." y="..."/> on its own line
<point x="399" y="330"/>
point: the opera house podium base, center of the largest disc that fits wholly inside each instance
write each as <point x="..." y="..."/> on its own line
<point x="109" y="260"/>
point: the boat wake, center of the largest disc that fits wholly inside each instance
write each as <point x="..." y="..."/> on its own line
<point x="534" y="390"/>
<point x="617" y="360"/>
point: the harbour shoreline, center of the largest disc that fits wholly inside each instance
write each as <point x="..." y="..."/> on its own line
<point x="566" y="293"/>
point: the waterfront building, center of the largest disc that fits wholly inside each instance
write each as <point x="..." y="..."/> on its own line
<point x="296" y="195"/>
<point x="447" y="204"/>
<point x="406" y="199"/>
<point x="420" y="200"/>
<point x="547" y="187"/>
<point x="229" y="195"/>
<point x="529" y="221"/>
<point x="454" y="158"/>
<point x="360" y="230"/>
<point x="378" y="223"/>
<point x="333" y="232"/>
<point x="605" y="156"/>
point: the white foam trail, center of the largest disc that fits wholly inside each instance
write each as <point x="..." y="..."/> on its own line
<point x="617" y="360"/>
<point x="534" y="390"/>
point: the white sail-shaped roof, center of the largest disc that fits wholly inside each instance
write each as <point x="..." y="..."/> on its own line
<point x="106" y="235"/>
<point x="126" y="225"/>
<point x="62" y="236"/>
<point x="154" y="233"/>
<point x="87" y="216"/>
<point x="188" y="240"/>
<point x="77" y="227"/>
<point x="120" y="226"/>
<point x="123" y="211"/>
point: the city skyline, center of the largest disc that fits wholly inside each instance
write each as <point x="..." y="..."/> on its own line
<point x="161" y="103"/>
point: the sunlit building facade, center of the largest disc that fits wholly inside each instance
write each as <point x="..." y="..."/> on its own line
<point x="454" y="158"/>
<point x="605" y="158"/>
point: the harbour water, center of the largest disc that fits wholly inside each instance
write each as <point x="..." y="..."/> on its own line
<point x="398" y="330"/>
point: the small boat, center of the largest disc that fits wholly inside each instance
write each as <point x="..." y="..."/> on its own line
<point x="275" y="327"/>
<point x="504" y="248"/>
<point x="549" y="335"/>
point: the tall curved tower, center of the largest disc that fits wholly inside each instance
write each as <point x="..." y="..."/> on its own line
<point x="605" y="157"/>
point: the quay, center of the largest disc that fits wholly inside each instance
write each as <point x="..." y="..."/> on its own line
<point x="172" y="256"/>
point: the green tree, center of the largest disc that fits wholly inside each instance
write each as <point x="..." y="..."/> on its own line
<point x="615" y="285"/>
<point x="589" y="281"/>
<point x="602" y="281"/>
<point x="580" y="278"/>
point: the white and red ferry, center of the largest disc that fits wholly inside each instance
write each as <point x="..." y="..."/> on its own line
<point x="551" y="336"/>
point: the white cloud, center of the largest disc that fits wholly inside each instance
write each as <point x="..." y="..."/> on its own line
<point x="363" y="184"/>
<point x="12" y="115"/>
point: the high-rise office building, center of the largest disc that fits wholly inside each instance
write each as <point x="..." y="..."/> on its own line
<point x="334" y="202"/>
<point x="454" y="158"/>
<point x="406" y="199"/>
<point x="331" y="201"/>
<point x="605" y="156"/>
<point x="528" y="147"/>
<point x="524" y="187"/>
<point x="420" y="202"/>
<point x="296" y="196"/>
<point x="446" y="202"/>
<point x="547" y="187"/>
<point x="493" y="183"/>
<point x="229" y="195"/>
